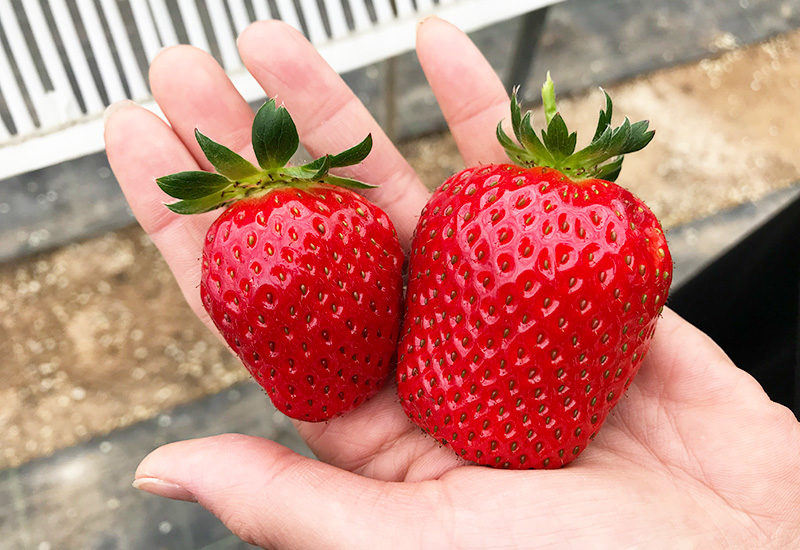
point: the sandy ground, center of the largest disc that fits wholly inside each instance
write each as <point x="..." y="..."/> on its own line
<point x="96" y="335"/>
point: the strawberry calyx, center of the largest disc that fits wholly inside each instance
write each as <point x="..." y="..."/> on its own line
<point x="275" y="140"/>
<point x="601" y="159"/>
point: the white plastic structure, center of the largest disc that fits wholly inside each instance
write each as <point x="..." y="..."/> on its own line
<point x="63" y="62"/>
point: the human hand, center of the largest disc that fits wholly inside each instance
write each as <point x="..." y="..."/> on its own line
<point x="694" y="454"/>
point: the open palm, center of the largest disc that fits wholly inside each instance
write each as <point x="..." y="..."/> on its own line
<point x="695" y="453"/>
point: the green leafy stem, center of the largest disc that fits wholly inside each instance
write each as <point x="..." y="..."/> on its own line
<point x="601" y="159"/>
<point x="275" y="140"/>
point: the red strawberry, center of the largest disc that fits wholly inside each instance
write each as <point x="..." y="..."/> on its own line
<point x="301" y="275"/>
<point x="533" y="295"/>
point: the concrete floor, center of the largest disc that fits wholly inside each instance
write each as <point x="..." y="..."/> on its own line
<point x="104" y="361"/>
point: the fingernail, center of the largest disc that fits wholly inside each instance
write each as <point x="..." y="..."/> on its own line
<point x="163" y="488"/>
<point x="116" y="106"/>
<point x="425" y="20"/>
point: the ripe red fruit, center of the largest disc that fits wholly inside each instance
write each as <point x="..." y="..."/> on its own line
<point x="533" y="295"/>
<point x="301" y="275"/>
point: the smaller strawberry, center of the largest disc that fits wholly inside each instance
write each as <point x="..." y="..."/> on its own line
<point x="301" y="275"/>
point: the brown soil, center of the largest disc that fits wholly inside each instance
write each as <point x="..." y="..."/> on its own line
<point x="96" y="335"/>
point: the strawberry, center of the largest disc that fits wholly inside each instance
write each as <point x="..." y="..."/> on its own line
<point x="301" y="275"/>
<point x="533" y="295"/>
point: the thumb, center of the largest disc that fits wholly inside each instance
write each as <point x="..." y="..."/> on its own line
<point x="272" y="497"/>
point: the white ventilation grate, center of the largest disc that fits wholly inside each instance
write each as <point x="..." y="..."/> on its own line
<point x="63" y="61"/>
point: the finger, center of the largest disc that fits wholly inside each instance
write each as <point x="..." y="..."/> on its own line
<point x="330" y="118"/>
<point x="470" y="94"/>
<point x="141" y="148"/>
<point x="272" y="497"/>
<point x="193" y="91"/>
<point x="378" y="441"/>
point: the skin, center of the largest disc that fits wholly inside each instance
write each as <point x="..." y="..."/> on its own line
<point x="695" y="454"/>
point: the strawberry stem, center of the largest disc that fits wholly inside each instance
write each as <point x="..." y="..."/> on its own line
<point x="602" y="158"/>
<point x="549" y="99"/>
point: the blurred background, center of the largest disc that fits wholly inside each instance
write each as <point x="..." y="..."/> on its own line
<point x="103" y="361"/>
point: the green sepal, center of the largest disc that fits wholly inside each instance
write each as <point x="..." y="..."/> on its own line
<point x="557" y="138"/>
<point x="275" y="137"/>
<point x="302" y="173"/>
<point x="614" y="142"/>
<point x="348" y="183"/>
<point x="227" y="163"/>
<point x="351" y="156"/>
<point x="322" y="171"/>
<point x="192" y="184"/>
<point x="604" y="121"/>
<point x="530" y="141"/>
<point x="516" y="114"/>
<point x="203" y="204"/>
<point x="531" y="151"/>
<point x="354" y="155"/>
<point x="513" y="150"/>
<point x="317" y="169"/>
<point x="602" y="158"/>
<point x="610" y="171"/>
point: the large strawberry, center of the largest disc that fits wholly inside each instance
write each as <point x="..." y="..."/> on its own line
<point x="533" y="295"/>
<point x="301" y="275"/>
